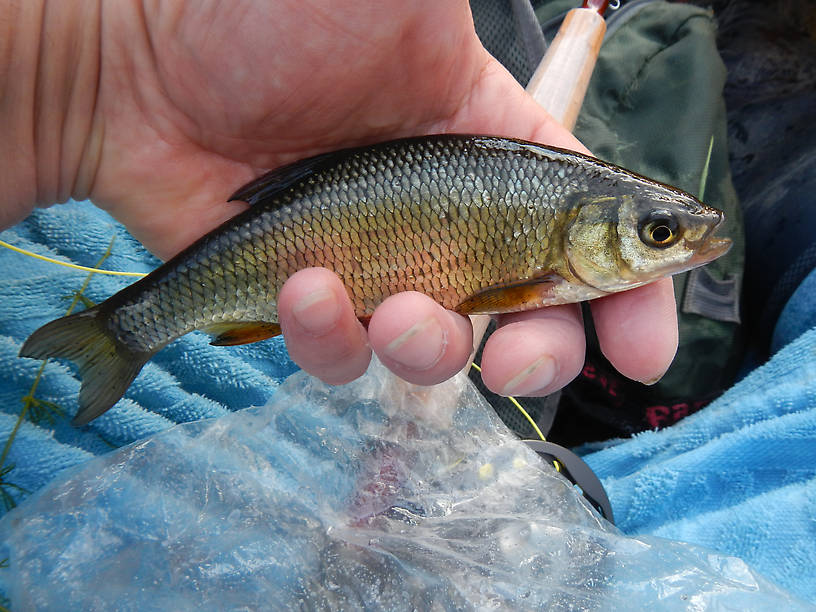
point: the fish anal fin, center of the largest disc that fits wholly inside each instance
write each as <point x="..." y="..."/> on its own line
<point x="511" y="297"/>
<point x="241" y="332"/>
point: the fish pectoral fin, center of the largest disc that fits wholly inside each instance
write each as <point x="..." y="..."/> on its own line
<point x="511" y="297"/>
<point x="241" y="332"/>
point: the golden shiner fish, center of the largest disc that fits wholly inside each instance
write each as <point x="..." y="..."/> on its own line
<point x="480" y="224"/>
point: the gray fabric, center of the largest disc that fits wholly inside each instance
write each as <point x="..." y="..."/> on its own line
<point x="714" y="298"/>
<point x="509" y="30"/>
<point x="529" y="31"/>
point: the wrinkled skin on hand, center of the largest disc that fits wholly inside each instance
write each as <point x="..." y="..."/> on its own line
<point x="196" y="98"/>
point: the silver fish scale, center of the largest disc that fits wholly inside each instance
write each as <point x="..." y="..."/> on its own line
<point x="443" y="216"/>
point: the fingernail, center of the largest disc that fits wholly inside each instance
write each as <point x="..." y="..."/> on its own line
<point x="317" y="312"/>
<point x="419" y="347"/>
<point x="653" y="381"/>
<point x="534" y="377"/>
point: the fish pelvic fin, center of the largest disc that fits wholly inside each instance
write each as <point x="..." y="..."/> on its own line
<point x="106" y="365"/>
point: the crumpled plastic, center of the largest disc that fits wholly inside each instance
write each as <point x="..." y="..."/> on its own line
<point x="375" y="495"/>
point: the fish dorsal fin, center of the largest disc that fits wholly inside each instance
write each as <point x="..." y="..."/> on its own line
<point x="267" y="186"/>
<point x="241" y="332"/>
<point x="511" y="297"/>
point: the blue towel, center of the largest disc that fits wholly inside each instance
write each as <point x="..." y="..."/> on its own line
<point x="738" y="477"/>
<point x="186" y="381"/>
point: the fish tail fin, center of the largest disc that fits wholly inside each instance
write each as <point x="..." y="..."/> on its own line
<point x="106" y="365"/>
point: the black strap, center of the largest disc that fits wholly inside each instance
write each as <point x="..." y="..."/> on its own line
<point x="578" y="473"/>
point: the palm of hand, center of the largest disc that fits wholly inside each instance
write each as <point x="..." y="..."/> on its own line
<point x="210" y="94"/>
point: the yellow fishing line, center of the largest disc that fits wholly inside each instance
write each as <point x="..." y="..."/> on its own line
<point x="29" y="400"/>
<point x="527" y="416"/>
<point x="69" y="265"/>
<point x="704" y="175"/>
<point x="520" y="408"/>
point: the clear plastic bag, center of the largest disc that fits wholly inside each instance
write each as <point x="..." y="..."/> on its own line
<point x="375" y="495"/>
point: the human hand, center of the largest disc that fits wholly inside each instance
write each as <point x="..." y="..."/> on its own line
<point x="185" y="101"/>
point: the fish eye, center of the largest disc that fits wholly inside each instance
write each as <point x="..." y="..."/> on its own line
<point x="659" y="229"/>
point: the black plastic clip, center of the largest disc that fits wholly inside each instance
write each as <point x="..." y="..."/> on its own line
<point x="578" y="473"/>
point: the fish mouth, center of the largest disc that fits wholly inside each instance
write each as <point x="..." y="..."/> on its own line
<point x="709" y="247"/>
<point x="710" y="250"/>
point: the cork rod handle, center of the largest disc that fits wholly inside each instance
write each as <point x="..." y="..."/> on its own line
<point x="560" y="81"/>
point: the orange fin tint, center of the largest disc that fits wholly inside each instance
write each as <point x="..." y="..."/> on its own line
<point x="242" y="332"/>
<point x="510" y="297"/>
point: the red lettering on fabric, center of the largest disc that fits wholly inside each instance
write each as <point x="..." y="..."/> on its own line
<point x="608" y="384"/>
<point x="658" y="416"/>
<point x="663" y="416"/>
<point x="680" y="410"/>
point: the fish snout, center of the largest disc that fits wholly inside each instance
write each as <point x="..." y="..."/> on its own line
<point x="709" y="247"/>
